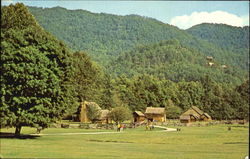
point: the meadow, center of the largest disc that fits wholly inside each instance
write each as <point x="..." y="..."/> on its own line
<point x="210" y="142"/>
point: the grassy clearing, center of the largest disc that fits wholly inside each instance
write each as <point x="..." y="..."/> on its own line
<point x="190" y="143"/>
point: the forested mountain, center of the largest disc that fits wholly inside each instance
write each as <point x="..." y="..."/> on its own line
<point x="232" y="39"/>
<point x="104" y="36"/>
<point x="222" y="35"/>
<point x="170" y="60"/>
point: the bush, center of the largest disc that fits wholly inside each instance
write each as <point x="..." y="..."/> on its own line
<point x="120" y="114"/>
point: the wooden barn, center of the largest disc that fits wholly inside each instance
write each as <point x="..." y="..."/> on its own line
<point x="155" y="114"/>
<point x="138" y="116"/>
<point x="194" y="114"/>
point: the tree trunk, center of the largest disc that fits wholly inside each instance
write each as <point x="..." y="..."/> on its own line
<point x="18" y="130"/>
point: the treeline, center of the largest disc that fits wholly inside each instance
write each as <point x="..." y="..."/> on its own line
<point x="219" y="100"/>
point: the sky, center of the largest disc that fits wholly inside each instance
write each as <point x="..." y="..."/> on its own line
<point x="183" y="14"/>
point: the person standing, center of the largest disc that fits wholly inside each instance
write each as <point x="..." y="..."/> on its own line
<point x="118" y="127"/>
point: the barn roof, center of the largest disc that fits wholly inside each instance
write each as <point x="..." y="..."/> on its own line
<point x="207" y="115"/>
<point x="195" y="116"/>
<point x="200" y="112"/>
<point x="139" y="113"/>
<point x="155" y="110"/>
<point x="184" y="117"/>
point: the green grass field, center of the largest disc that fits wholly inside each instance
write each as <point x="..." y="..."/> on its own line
<point x="212" y="142"/>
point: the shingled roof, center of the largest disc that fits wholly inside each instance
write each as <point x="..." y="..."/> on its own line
<point x="184" y="117"/>
<point x="155" y="110"/>
<point x="200" y="112"/>
<point x="207" y="115"/>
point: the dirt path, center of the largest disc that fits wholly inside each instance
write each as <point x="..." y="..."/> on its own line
<point x="165" y="128"/>
<point x="96" y="133"/>
<point x="85" y="133"/>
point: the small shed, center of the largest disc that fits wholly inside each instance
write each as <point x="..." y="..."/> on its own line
<point x="138" y="116"/>
<point x="155" y="114"/>
<point x="194" y="114"/>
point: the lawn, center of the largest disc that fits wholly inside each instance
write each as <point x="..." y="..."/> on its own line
<point x="211" y="142"/>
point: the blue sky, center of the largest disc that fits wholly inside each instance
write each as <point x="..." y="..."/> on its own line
<point x="183" y="14"/>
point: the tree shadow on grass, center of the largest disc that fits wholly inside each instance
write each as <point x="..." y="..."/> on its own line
<point x="7" y="135"/>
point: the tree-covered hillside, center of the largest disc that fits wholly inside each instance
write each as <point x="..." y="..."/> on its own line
<point x="232" y="39"/>
<point x="222" y="35"/>
<point x="105" y="36"/>
<point x="170" y="60"/>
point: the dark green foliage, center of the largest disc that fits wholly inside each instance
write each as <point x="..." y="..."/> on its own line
<point x="222" y="35"/>
<point x="90" y="82"/>
<point x="35" y="72"/>
<point x="221" y="101"/>
<point x="170" y="60"/>
<point x="86" y="77"/>
<point x="102" y="35"/>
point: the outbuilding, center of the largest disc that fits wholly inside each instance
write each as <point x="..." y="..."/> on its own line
<point x="138" y="116"/>
<point x="194" y="114"/>
<point x="155" y="114"/>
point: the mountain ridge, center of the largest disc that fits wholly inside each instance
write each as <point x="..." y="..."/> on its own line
<point x="106" y="36"/>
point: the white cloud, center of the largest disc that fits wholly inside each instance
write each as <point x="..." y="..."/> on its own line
<point x="221" y="17"/>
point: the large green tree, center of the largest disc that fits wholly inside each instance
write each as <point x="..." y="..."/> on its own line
<point x="35" y="72"/>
